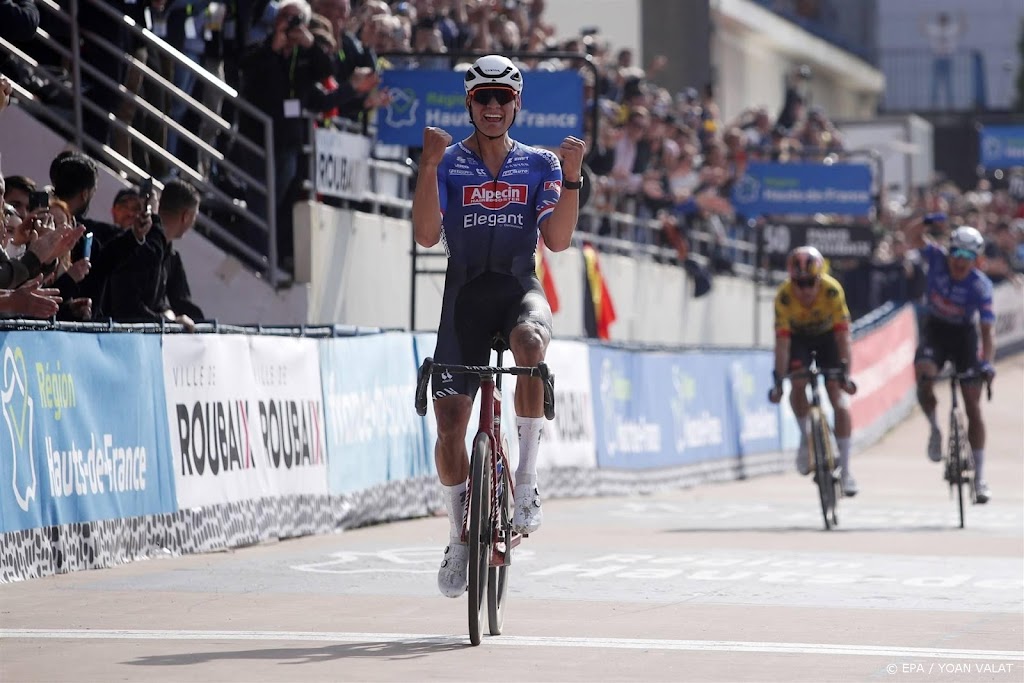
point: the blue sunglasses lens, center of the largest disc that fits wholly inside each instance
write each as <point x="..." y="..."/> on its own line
<point x="964" y="254"/>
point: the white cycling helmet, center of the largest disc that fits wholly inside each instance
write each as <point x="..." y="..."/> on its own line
<point x="966" y="238"/>
<point x="494" y="70"/>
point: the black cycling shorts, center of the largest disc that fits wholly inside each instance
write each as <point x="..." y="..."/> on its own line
<point x="942" y="341"/>
<point x="488" y="305"/>
<point x="801" y="346"/>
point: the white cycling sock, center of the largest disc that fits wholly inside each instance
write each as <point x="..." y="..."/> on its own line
<point x="455" y="504"/>
<point x="844" y="453"/>
<point x="979" y="463"/>
<point x="530" y="429"/>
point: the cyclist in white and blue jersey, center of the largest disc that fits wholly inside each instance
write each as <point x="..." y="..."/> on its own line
<point x="958" y="302"/>
<point x="488" y="198"/>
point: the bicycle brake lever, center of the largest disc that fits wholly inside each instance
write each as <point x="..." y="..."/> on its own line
<point x="549" y="390"/>
<point x="421" y="386"/>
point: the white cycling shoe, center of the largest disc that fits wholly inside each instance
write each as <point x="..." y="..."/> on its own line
<point x="453" y="576"/>
<point x="935" y="445"/>
<point x="527" y="515"/>
<point x="849" y="484"/>
<point x="982" y="493"/>
<point x="803" y="465"/>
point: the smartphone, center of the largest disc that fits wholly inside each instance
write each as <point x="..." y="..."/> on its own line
<point x="146" y="190"/>
<point x="87" y="245"/>
<point x="38" y="200"/>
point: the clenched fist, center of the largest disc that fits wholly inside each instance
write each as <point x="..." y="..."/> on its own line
<point x="571" y="153"/>
<point x="435" y="142"/>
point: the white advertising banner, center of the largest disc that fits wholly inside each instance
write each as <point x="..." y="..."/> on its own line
<point x="342" y="168"/>
<point x="568" y="441"/>
<point x="246" y="417"/>
<point x="1008" y="303"/>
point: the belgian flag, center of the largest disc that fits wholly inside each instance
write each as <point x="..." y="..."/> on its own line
<point x="598" y="311"/>
<point x="544" y="275"/>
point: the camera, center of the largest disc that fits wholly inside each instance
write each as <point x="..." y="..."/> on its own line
<point x="38" y="200"/>
<point x="294" y="23"/>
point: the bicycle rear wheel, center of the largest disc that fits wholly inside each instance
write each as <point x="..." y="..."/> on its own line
<point x="479" y="533"/>
<point x="822" y="471"/>
<point x="956" y="461"/>
<point x="497" y="577"/>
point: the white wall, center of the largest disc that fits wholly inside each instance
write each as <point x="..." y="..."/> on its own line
<point x="360" y="270"/>
<point x="618" y="20"/>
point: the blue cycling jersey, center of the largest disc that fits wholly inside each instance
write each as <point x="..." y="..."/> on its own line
<point x="491" y="224"/>
<point x="955" y="301"/>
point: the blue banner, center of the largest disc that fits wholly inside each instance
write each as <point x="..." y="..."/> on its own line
<point x="1002" y="146"/>
<point x="757" y="420"/>
<point x="660" y="409"/>
<point x="84" y="429"/>
<point x="552" y="107"/>
<point x="373" y="432"/>
<point x="768" y="189"/>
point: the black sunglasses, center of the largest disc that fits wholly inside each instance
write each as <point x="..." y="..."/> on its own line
<point x="805" y="282"/>
<point x="503" y="95"/>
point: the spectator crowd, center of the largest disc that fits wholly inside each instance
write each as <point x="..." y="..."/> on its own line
<point x="666" y="159"/>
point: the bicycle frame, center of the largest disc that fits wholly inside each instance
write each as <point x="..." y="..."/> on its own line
<point x="828" y="476"/>
<point x="958" y="460"/>
<point x="487" y="526"/>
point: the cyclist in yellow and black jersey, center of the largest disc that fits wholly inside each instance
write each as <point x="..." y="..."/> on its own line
<point x="811" y="315"/>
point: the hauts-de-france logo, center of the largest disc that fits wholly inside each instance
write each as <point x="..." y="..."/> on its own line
<point x="401" y="110"/>
<point x="18" y="413"/>
<point x="748" y="190"/>
<point x="993" y="147"/>
<point x="494" y="195"/>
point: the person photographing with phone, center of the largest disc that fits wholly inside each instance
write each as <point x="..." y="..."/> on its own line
<point x="152" y="285"/>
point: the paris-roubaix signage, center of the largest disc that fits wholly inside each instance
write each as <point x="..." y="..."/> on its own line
<point x="245" y="416"/>
<point x="552" y="107"/>
<point x="849" y="241"/>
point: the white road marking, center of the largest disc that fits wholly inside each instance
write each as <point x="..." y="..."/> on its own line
<point x="518" y="641"/>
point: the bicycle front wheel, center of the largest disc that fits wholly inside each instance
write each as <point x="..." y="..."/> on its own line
<point x="956" y="461"/>
<point x="497" y="577"/>
<point x="479" y="532"/>
<point x="822" y="471"/>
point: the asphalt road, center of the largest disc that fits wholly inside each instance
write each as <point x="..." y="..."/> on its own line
<point x="731" y="582"/>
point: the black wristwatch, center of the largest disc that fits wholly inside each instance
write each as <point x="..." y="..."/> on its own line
<point x="570" y="185"/>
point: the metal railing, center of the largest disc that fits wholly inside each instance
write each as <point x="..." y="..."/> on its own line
<point x="918" y="80"/>
<point x="71" y="125"/>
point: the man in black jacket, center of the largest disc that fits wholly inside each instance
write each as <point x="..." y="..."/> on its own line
<point x="153" y="285"/>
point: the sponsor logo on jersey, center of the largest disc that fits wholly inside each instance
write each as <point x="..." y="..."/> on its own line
<point x="555" y="185"/>
<point x="495" y="195"/>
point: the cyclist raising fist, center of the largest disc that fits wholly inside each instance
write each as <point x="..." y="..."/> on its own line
<point x="488" y="198"/>
<point x="956" y="296"/>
